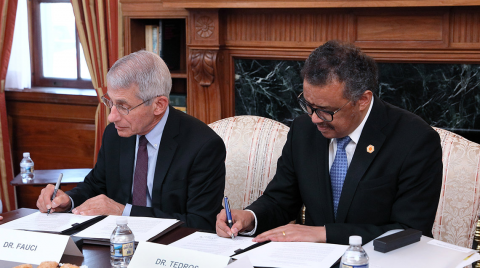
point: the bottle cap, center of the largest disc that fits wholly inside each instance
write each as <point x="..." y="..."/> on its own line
<point x="355" y="240"/>
<point x="122" y="220"/>
<point x="26" y="154"/>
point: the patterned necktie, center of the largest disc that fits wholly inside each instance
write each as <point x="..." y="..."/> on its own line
<point x="338" y="171"/>
<point x="140" y="176"/>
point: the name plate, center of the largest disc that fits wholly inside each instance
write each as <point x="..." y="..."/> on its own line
<point x="158" y="256"/>
<point x="243" y="262"/>
<point x="34" y="248"/>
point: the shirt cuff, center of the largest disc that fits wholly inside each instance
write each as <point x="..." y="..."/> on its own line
<point x="252" y="232"/>
<point x="127" y="210"/>
<point x="71" y="207"/>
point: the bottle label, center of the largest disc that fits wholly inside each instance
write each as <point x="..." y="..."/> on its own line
<point x="121" y="249"/>
<point x="354" y="266"/>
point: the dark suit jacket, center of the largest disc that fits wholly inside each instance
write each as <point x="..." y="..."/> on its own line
<point x="189" y="176"/>
<point x="396" y="186"/>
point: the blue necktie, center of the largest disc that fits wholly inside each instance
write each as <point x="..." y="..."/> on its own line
<point x="338" y="171"/>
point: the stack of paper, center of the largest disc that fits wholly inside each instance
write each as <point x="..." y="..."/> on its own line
<point x="294" y="255"/>
<point x="54" y="222"/>
<point x="143" y="228"/>
<point x="212" y="243"/>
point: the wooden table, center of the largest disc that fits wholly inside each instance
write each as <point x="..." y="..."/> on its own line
<point x="27" y="192"/>
<point x="95" y="256"/>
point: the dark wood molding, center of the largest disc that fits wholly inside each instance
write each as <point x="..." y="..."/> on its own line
<point x="312" y="3"/>
<point x="53" y="95"/>
<point x="203" y="66"/>
<point x="220" y="31"/>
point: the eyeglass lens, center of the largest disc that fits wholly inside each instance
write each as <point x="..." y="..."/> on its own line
<point x="309" y="110"/>
<point x="109" y="104"/>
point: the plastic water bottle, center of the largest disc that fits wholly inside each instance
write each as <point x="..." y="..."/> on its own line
<point x="355" y="256"/>
<point x="26" y="168"/>
<point x="122" y="244"/>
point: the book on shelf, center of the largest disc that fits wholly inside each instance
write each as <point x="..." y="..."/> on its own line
<point x="165" y="40"/>
<point x="155" y="40"/>
<point x="179" y="102"/>
<point x="148" y="38"/>
<point x="159" y="38"/>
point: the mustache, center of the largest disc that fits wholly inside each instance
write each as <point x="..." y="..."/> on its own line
<point x="324" y="124"/>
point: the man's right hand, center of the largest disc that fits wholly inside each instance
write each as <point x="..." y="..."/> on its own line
<point x="60" y="203"/>
<point x="244" y="221"/>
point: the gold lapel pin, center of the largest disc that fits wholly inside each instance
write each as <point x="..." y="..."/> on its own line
<point x="370" y="148"/>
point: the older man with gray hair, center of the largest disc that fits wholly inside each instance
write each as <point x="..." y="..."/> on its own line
<point x="155" y="161"/>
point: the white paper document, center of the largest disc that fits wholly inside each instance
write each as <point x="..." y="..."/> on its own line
<point x="295" y="254"/>
<point x="427" y="252"/>
<point x="212" y="243"/>
<point x="143" y="228"/>
<point x="53" y="222"/>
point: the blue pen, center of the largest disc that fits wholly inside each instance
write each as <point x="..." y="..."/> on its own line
<point x="229" y="214"/>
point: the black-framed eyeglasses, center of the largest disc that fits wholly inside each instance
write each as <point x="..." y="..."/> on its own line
<point x="326" y="116"/>
<point x="121" y="109"/>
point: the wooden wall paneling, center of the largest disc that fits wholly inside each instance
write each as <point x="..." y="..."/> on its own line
<point x="298" y="28"/>
<point x="204" y="79"/>
<point x="312" y="3"/>
<point x="57" y="130"/>
<point x="402" y="28"/>
<point x="465" y="28"/>
<point x="220" y="31"/>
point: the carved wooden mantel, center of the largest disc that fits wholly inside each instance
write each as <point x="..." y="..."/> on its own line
<point x="220" y="31"/>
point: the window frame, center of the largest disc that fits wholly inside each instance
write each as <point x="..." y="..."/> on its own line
<point x="38" y="79"/>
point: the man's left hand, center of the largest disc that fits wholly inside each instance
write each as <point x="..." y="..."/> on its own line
<point x="294" y="233"/>
<point x="99" y="205"/>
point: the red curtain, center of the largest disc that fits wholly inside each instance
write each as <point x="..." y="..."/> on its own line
<point x="97" y="25"/>
<point x="7" y="24"/>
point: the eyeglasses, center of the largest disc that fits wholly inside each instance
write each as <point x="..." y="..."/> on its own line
<point x="121" y="109"/>
<point x="326" y="116"/>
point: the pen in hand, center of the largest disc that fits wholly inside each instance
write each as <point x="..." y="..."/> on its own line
<point x="55" y="191"/>
<point x="229" y="214"/>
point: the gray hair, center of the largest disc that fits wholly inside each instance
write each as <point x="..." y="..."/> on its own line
<point x="144" y="69"/>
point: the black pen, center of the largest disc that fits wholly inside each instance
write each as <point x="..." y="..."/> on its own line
<point x="55" y="191"/>
<point x="229" y="214"/>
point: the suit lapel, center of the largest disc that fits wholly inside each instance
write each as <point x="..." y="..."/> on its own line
<point x="167" y="149"/>
<point x="324" y="196"/>
<point x="362" y="159"/>
<point x="127" y="159"/>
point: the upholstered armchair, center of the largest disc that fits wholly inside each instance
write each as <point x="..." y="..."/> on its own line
<point x="458" y="209"/>
<point x="254" y="145"/>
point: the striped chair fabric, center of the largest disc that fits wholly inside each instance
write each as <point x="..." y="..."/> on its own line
<point x="459" y="206"/>
<point x="254" y="145"/>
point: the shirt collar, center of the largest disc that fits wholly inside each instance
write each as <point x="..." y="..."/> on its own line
<point x="155" y="135"/>
<point x="355" y="135"/>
